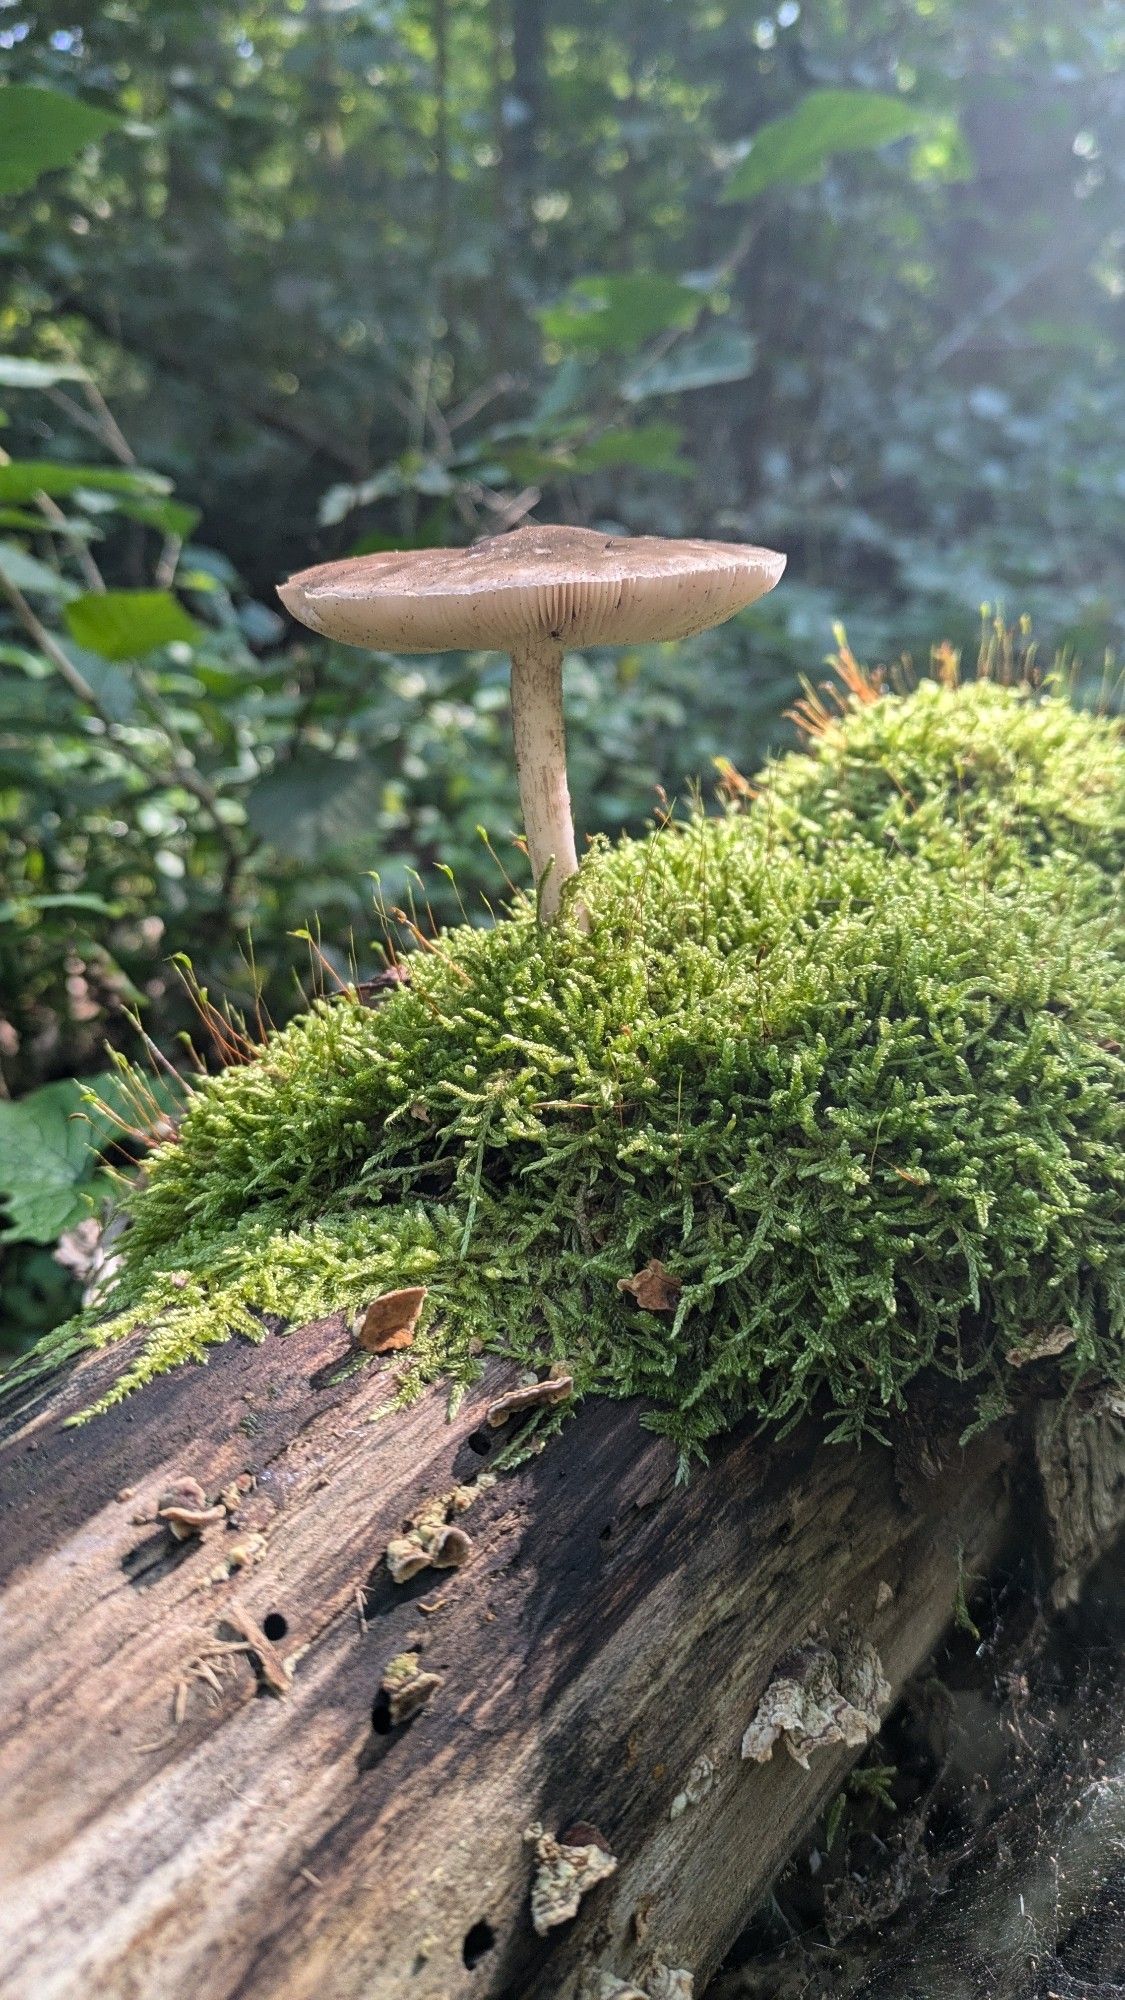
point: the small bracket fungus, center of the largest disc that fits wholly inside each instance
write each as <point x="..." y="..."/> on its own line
<point x="820" y="1697"/>
<point x="390" y="1321"/>
<point x="660" y="1982"/>
<point x="430" y="1540"/>
<point x="1044" y="1346"/>
<point x="563" y="1875"/>
<point x="535" y="1396"/>
<point x="185" y="1512"/>
<point x="406" y="1687"/>
<point x="531" y="594"/>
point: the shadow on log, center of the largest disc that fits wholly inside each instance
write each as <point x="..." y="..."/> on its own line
<point x="176" y="1824"/>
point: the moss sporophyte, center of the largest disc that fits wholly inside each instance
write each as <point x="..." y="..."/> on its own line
<point x="846" y="1062"/>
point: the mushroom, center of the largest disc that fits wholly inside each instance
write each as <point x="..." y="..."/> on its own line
<point x="531" y="594"/>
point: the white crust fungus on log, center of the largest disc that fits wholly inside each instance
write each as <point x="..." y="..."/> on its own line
<point x="820" y="1696"/>
<point x="661" y="1982"/>
<point x="700" y="1779"/>
<point x="563" y="1875"/>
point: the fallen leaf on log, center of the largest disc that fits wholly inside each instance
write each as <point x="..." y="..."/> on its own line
<point x="823" y="1697"/>
<point x="389" y="1322"/>
<point x="655" y="1289"/>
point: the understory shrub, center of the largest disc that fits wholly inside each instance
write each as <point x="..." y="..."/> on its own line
<point x="848" y="1062"/>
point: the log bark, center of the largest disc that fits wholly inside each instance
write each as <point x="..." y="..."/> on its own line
<point x="172" y="1823"/>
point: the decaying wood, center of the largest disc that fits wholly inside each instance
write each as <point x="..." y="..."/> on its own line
<point x="1028" y="1904"/>
<point x="592" y="1667"/>
<point x="1080" y="1455"/>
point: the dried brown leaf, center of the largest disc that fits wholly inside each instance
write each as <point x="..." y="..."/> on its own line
<point x="389" y="1322"/>
<point x="655" y="1289"/>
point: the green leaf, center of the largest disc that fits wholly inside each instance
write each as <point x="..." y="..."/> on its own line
<point x="42" y="129"/>
<point x="722" y="354"/>
<point x="312" y="802"/>
<point x="49" y="1149"/>
<point x="77" y="899"/>
<point x="616" y="315"/>
<point x="34" y="578"/>
<point x="650" y="447"/>
<point x="564" y="389"/>
<point x="168" y="517"/>
<point x="21" y="479"/>
<point x="126" y="624"/>
<point x="798" y="147"/>
<point x="114" y="687"/>
<point x="17" y="371"/>
<point x="409" y="474"/>
<point x="37" y="524"/>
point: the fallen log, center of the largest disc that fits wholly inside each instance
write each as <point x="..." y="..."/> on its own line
<point x="220" y="1776"/>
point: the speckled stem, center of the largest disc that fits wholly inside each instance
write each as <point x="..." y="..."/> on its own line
<point x="537" y="723"/>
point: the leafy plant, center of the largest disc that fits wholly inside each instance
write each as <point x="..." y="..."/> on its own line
<point x="41" y="130"/>
<point x="798" y="147"/>
<point x="50" y="1145"/>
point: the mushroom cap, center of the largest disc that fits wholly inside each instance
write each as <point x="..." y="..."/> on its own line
<point x="569" y="584"/>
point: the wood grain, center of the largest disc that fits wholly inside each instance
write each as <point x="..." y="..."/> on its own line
<point x="162" y="1836"/>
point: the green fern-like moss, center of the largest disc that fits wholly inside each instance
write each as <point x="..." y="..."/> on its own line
<point x="848" y="1063"/>
<point x="933" y="770"/>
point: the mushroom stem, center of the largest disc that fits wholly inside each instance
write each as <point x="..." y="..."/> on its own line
<point x="540" y="736"/>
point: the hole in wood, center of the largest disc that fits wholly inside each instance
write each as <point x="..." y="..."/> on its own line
<point x="478" y="1942"/>
<point x="274" y="1625"/>
<point x="381" y="1714"/>
<point x="480" y="1442"/>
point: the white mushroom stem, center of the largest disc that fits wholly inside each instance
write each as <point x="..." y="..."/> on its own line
<point x="537" y="724"/>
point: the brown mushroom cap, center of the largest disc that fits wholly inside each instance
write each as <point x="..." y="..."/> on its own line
<point x="568" y="584"/>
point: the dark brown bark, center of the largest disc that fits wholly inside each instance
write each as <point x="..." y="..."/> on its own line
<point x="164" y="1835"/>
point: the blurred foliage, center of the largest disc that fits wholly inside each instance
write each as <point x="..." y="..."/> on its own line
<point x="284" y="281"/>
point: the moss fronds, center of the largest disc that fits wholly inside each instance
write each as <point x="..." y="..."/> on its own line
<point x="946" y="766"/>
<point x="848" y="1063"/>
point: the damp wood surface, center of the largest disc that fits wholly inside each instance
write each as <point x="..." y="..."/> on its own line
<point x="171" y="1824"/>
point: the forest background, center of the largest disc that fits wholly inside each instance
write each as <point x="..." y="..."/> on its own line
<point x="299" y="278"/>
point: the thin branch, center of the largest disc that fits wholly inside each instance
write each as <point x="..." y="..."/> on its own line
<point x="53" y="513"/>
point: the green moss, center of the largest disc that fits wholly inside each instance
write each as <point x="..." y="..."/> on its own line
<point x="949" y="765"/>
<point x="849" y="1063"/>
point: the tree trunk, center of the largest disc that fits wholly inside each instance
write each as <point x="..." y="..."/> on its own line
<point x="284" y="1818"/>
